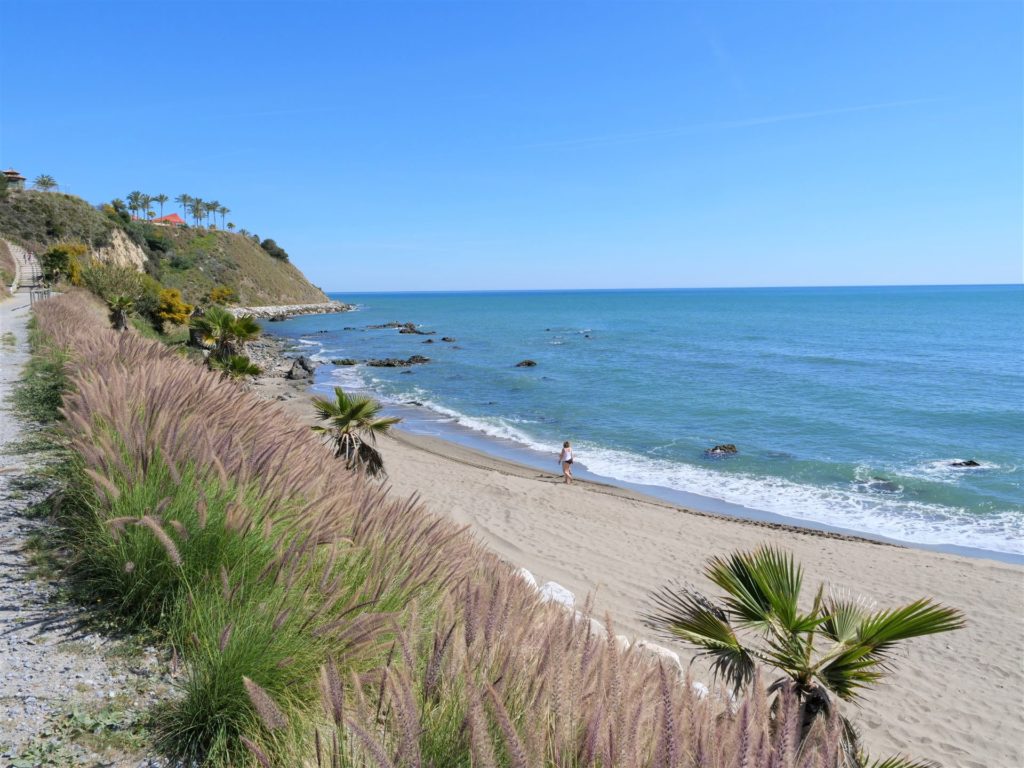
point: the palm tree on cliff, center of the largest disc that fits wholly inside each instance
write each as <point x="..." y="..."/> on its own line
<point x="223" y="211"/>
<point x="147" y="201"/>
<point x="184" y="201"/>
<point x="44" y="182"/>
<point x="353" y="424"/>
<point x="134" y="200"/>
<point x="211" y="209"/>
<point x="197" y="208"/>
<point x="837" y="649"/>
<point x="160" y="200"/>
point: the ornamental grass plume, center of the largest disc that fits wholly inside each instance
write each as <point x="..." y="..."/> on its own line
<point x="321" y="618"/>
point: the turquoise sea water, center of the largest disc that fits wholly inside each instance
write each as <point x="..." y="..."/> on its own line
<point x="848" y="405"/>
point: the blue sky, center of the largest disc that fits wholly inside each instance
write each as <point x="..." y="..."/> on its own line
<point x="489" y="145"/>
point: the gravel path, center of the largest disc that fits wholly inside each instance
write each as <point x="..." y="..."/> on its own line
<point x="67" y="696"/>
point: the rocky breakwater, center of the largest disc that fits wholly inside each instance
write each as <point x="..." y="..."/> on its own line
<point x="284" y="311"/>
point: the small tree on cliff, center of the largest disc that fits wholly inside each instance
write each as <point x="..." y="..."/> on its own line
<point x="44" y="182"/>
<point x="63" y="261"/>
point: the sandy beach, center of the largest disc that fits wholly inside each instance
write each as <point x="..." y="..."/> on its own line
<point x="956" y="698"/>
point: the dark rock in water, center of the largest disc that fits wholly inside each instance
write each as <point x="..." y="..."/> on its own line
<point x="456" y="346"/>
<point x="403" y="328"/>
<point x="586" y="335"/>
<point x="397" y="362"/>
<point x="277" y="318"/>
<point x="725" y="449"/>
<point x="526" y="364"/>
<point x="414" y="402"/>
<point x="392" y="324"/>
<point x="302" y="368"/>
<point x="428" y="341"/>
<point x="881" y="485"/>
<point x="349" y="328"/>
<point x="449" y="339"/>
<point x="968" y="463"/>
<point x="344" y="361"/>
<point x="406" y="371"/>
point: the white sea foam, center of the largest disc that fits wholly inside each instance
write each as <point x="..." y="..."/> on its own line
<point x="943" y="471"/>
<point x="858" y="509"/>
<point x="347" y="377"/>
<point x="851" y="508"/>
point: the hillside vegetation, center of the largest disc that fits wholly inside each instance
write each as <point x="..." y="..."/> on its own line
<point x="193" y="259"/>
<point x="38" y="219"/>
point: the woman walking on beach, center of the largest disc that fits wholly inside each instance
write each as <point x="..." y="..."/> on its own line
<point x="565" y="459"/>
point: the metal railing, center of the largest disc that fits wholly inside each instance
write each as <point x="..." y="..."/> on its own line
<point x="38" y="294"/>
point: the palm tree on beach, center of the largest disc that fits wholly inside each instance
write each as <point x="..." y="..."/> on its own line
<point x="160" y="200"/>
<point x="837" y="649"/>
<point x="224" y="331"/>
<point x="235" y="366"/>
<point x="44" y="182"/>
<point x="353" y="424"/>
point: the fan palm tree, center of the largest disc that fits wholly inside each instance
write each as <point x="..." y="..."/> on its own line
<point x="235" y="366"/>
<point x="119" y="307"/>
<point x="45" y="182"/>
<point x="224" y="331"/>
<point x="353" y="426"/>
<point x="837" y="649"/>
<point x="160" y="200"/>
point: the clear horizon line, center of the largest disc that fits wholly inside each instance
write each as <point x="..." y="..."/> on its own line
<point x="685" y="288"/>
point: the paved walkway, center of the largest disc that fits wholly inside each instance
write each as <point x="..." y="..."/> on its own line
<point x="57" y="681"/>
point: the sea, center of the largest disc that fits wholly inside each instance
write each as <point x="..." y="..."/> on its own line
<point x="848" y="406"/>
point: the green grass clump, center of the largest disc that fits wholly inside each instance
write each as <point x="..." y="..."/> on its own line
<point x="40" y="392"/>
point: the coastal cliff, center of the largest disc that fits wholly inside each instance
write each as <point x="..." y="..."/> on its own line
<point x="194" y="260"/>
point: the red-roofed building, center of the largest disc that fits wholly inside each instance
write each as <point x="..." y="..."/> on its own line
<point x="171" y="220"/>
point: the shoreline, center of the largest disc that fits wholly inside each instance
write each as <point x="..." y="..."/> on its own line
<point x="425" y="430"/>
<point x="617" y="545"/>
